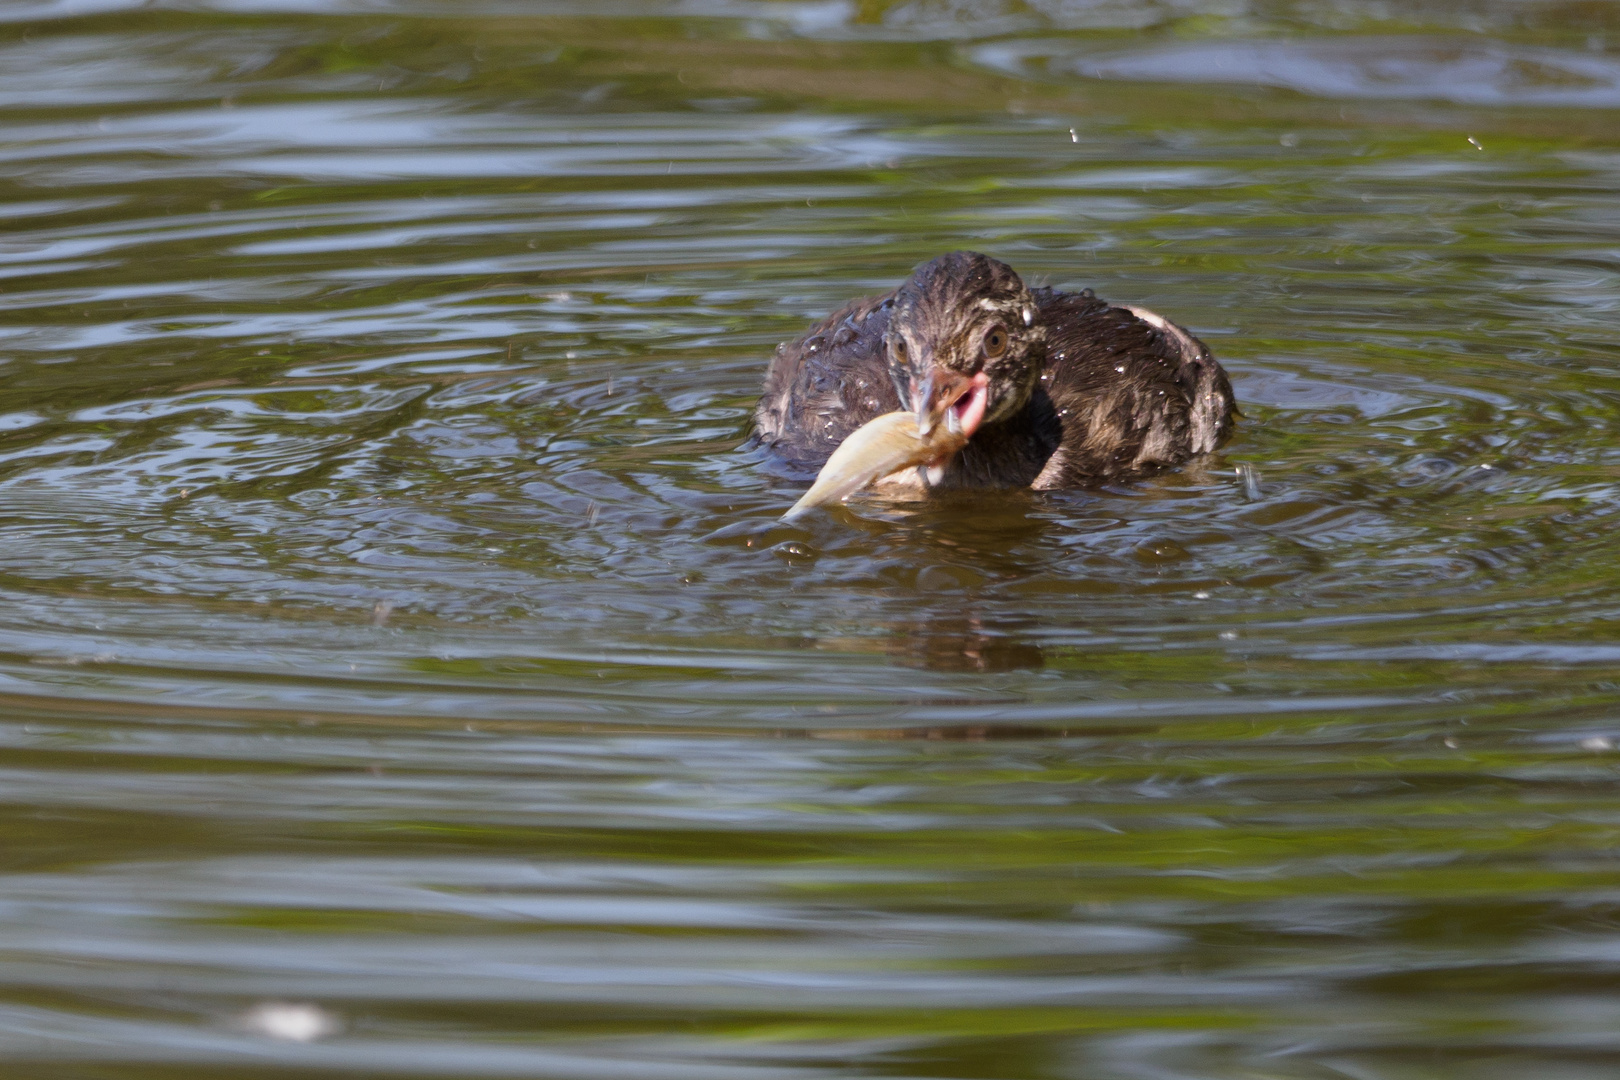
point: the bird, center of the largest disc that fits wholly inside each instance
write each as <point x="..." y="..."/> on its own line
<point x="1050" y="389"/>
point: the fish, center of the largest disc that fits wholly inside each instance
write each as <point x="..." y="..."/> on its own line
<point x="881" y="447"/>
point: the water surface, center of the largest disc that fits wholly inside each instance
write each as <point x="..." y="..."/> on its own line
<point x="393" y="622"/>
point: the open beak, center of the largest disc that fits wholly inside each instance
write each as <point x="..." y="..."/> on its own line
<point x="951" y="398"/>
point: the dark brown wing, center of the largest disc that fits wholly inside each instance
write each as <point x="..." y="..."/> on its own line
<point x="1133" y="392"/>
<point x="824" y="385"/>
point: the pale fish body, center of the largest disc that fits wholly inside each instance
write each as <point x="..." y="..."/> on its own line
<point x="876" y="449"/>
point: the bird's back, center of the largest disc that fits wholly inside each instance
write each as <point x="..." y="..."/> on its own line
<point x="825" y="384"/>
<point x="1133" y="392"/>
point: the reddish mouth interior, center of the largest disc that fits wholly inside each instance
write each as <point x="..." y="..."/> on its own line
<point x="969" y="408"/>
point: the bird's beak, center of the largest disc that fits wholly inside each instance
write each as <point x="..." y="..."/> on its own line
<point x="949" y="397"/>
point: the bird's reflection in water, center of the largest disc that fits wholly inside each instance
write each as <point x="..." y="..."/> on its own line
<point x="962" y="643"/>
<point x="996" y="533"/>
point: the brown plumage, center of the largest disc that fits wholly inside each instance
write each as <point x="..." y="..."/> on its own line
<point x="1054" y="389"/>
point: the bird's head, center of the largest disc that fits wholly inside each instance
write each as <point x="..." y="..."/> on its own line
<point x="965" y="342"/>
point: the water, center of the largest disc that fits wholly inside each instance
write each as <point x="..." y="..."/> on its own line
<point x="404" y="674"/>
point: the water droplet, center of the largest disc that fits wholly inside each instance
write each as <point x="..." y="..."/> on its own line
<point x="1249" y="478"/>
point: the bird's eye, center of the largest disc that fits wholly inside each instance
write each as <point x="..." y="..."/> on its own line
<point x="900" y="347"/>
<point x="995" y="342"/>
